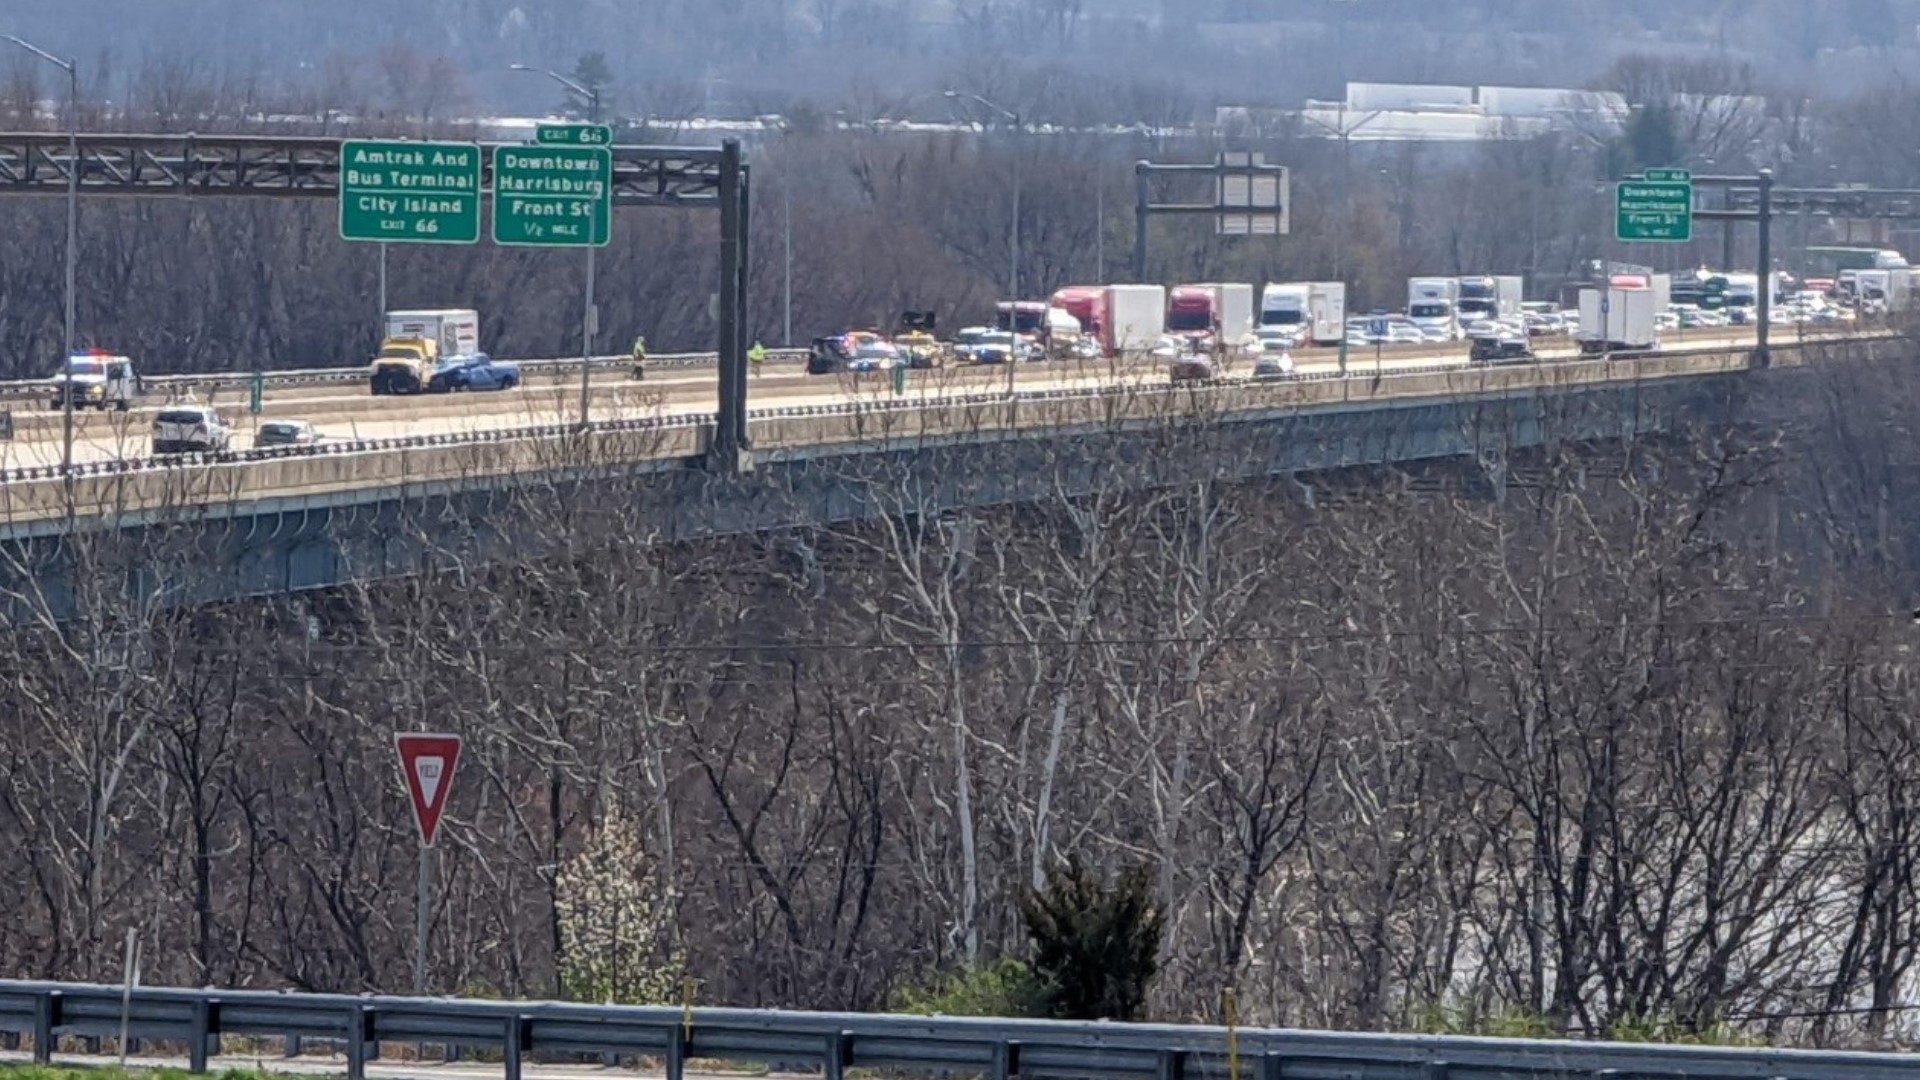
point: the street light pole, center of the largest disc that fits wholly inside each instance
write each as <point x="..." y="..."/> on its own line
<point x="1013" y="274"/>
<point x="588" y="313"/>
<point x="786" y="233"/>
<point x="1013" y="270"/>
<point x="1099" y="226"/>
<point x="1345" y="133"/>
<point x="589" y="317"/>
<point x="73" y="237"/>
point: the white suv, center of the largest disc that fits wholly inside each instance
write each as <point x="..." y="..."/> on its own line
<point x="192" y="430"/>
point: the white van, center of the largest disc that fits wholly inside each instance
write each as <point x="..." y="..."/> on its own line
<point x="192" y="429"/>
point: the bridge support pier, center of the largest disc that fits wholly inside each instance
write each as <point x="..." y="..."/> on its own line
<point x="731" y="452"/>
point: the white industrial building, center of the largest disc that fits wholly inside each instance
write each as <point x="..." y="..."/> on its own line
<point x="1414" y="112"/>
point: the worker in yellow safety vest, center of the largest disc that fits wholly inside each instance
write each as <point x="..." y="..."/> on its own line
<point x="757" y="356"/>
<point x="640" y="357"/>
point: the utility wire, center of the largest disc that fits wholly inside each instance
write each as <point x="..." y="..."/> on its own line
<point x="1339" y="634"/>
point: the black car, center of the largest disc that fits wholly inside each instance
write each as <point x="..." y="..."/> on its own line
<point x="827" y="356"/>
<point x="1503" y="348"/>
<point x="1191" y="367"/>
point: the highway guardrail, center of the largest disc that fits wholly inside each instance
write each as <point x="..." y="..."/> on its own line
<point x="348" y="445"/>
<point x="875" y="406"/>
<point x="832" y="1043"/>
<point x="241" y="380"/>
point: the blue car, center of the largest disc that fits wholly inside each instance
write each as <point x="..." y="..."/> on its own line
<point x="874" y="356"/>
<point x="476" y="372"/>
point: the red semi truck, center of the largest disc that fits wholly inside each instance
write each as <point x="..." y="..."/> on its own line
<point x="1224" y="312"/>
<point x="1121" y="318"/>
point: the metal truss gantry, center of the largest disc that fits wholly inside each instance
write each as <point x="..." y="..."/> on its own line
<point x="296" y="166"/>
<point x="1858" y="204"/>
<point x="308" y="166"/>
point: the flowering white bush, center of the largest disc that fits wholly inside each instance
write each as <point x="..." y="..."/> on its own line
<point x="615" y="938"/>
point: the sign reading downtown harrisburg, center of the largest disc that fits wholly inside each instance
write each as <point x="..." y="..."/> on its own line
<point x="552" y="196"/>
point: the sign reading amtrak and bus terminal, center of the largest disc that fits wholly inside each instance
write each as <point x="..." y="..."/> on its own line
<point x="410" y="192"/>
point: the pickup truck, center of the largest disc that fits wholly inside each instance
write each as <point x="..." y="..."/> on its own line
<point x="476" y="372"/>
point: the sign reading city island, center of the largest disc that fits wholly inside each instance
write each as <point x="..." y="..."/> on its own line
<point x="410" y="192"/>
<point x="552" y="196"/>
<point x="1659" y="208"/>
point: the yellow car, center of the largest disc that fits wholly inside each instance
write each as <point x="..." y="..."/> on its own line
<point x="921" y="349"/>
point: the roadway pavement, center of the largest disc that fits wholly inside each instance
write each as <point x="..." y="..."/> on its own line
<point x="301" y="401"/>
<point x="126" y="436"/>
<point x="348" y="411"/>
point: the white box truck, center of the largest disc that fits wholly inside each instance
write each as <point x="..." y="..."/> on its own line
<point x="1328" y="305"/>
<point x="1134" y="318"/>
<point x="416" y="342"/>
<point x="1433" y="305"/>
<point x="1618" y="320"/>
<point x="455" y="331"/>
<point x="1490" y="296"/>
<point x="1318" y="308"/>
<point x="1662" y="286"/>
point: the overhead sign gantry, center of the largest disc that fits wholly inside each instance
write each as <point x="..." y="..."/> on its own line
<point x="297" y="166"/>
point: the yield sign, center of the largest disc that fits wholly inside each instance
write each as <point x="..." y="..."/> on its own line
<point x="426" y="763"/>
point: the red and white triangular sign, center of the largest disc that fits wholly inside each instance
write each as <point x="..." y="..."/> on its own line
<point x="426" y="764"/>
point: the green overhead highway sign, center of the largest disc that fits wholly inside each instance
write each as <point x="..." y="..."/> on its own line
<point x="410" y="192"/>
<point x="573" y="135"/>
<point x="1653" y="210"/>
<point x="552" y="196"/>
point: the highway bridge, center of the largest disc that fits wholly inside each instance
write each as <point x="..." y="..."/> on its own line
<point x="337" y="399"/>
<point x="414" y="484"/>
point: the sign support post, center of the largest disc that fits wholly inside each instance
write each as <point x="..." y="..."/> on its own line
<point x="1250" y="198"/>
<point x="427" y="761"/>
<point x="400" y="192"/>
<point x="422" y="921"/>
<point x="587" y="328"/>
<point x="559" y="193"/>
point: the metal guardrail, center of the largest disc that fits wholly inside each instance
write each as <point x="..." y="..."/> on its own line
<point x="993" y="1049"/>
<point x="332" y="447"/>
<point x="881" y="406"/>
<point x="241" y="380"/>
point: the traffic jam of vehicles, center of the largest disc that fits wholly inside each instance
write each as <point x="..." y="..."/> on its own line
<point x="1202" y="332"/>
<point x="1196" y="333"/>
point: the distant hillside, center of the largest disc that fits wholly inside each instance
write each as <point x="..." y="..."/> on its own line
<point x="755" y="55"/>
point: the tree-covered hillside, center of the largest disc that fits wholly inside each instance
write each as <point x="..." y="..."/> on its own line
<point x="757" y="55"/>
